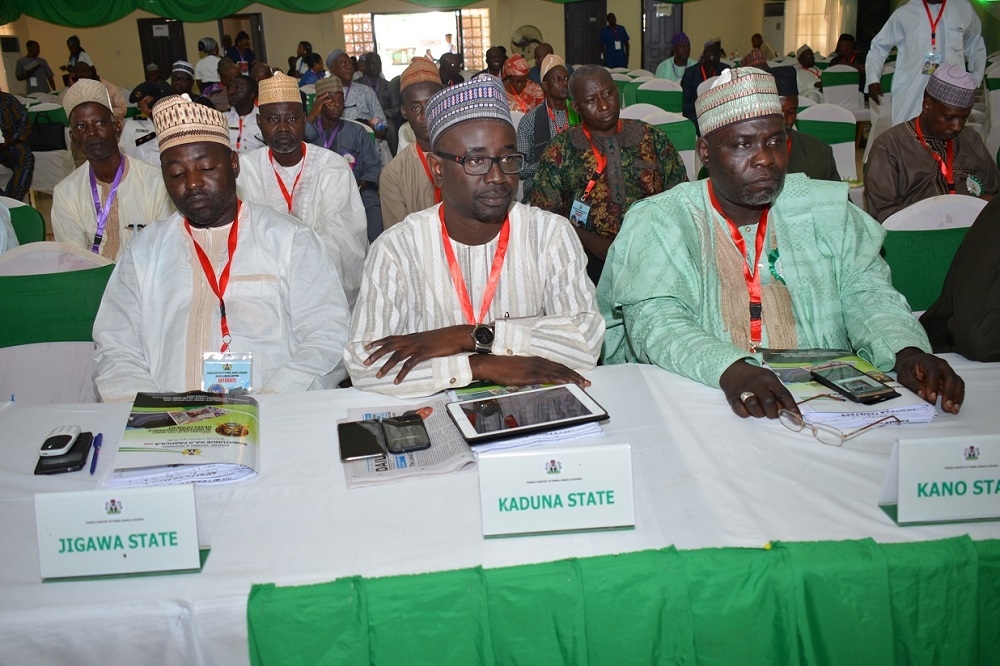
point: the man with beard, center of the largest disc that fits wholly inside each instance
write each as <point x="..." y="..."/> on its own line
<point x="932" y="154"/>
<point x="350" y="140"/>
<point x="592" y="173"/>
<point x="243" y="115"/>
<point x="406" y="185"/>
<point x="109" y="197"/>
<point x="546" y="120"/>
<point x="219" y="275"/>
<point x="475" y="288"/>
<point x="701" y="278"/>
<point x="311" y="183"/>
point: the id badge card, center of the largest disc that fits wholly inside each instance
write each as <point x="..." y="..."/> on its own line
<point x="32" y="82"/>
<point x="227" y="372"/>
<point x="579" y="213"/>
<point x="931" y="62"/>
<point x="618" y="46"/>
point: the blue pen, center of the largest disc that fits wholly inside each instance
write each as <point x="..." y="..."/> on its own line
<point x="97" y="449"/>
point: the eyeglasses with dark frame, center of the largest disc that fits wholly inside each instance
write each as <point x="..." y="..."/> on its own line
<point x="480" y="165"/>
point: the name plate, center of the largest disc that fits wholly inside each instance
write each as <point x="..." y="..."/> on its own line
<point x="537" y="490"/>
<point x="943" y="479"/>
<point x="101" y="532"/>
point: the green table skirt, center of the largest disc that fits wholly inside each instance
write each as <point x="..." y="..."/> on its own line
<point x="851" y="602"/>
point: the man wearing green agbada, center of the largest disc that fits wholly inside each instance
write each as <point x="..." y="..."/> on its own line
<point x="677" y="290"/>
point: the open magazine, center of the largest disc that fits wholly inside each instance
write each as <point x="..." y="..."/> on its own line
<point x="793" y="367"/>
<point x="174" y="438"/>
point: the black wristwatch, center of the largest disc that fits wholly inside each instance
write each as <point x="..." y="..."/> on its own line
<point x="482" y="337"/>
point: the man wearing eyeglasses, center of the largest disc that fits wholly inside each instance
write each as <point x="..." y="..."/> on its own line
<point x="703" y="277"/>
<point x="474" y="288"/>
<point x="592" y="173"/>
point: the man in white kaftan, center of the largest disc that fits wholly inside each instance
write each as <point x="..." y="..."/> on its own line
<point x="140" y="197"/>
<point x="282" y="300"/>
<point x="958" y="37"/>
<point x="320" y="185"/>
<point x="541" y="324"/>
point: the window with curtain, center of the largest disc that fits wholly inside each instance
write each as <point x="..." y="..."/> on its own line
<point x="819" y="23"/>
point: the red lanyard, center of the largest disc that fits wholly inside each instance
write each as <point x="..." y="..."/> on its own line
<point x="239" y="137"/>
<point x="814" y="71"/>
<point x="521" y="103"/>
<point x="552" y="117"/>
<point x="934" y="22"/>
<point x="704" y="76"/>
<point x="601" y="160"/>
<point x="947" y="170"/>
<point x="752" y="277"/>
<point x="788" y="142"/>
<point x="219" y="287"/>
<point x="427" y="170"/>
<point x="456" y="273"/>
<point x="284" y="190"/>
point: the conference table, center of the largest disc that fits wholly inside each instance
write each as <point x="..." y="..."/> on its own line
<point x="752" y="544"/>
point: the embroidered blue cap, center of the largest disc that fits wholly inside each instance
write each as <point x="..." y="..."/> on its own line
<point x="481" y="98"/>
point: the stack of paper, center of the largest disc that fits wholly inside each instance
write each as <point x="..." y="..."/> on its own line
<point x="793" y="365"/>
<point x="547" y="437"/>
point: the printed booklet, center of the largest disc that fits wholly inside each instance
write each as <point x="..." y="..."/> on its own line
<point x="195" y="437"/>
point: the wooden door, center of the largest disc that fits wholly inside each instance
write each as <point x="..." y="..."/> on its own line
<point x="661" y="22"/>
<point x="162" y="42"/>
<point x="583" y="23"/>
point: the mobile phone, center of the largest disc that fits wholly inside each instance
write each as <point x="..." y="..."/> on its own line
<point x="59" y="441"/>
<point x="71" y="461"/>
<point x="360" y="439"/>
<point x="855" y="385"/>
<point x="405" y="433"/>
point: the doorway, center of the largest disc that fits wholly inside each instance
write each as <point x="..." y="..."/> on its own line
<point x="253" y="25"/>
<point x="162" y="42"/>
<point x="661" y="21"/>
<point x="583" y="23"/>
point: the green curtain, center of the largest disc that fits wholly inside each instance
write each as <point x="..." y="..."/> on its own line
<point x="853" y="602"/>
<point x="80" y="14"/>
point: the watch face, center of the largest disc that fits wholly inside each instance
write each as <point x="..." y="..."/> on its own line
<point x="483" y="335"/>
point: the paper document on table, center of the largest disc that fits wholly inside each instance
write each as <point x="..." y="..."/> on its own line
<point x="195" y="437"/>
<point x="793" y="367"/>
<point x="547" y="437"/>
<point x="448" y="452"/>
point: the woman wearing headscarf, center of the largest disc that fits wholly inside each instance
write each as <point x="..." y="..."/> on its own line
<point x="522" y="94"/>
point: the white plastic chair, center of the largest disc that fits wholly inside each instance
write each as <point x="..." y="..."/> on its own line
<point x="639" y="111"/>
<point x="945" y="211"/>
<point x="635" y="73"/>
<point x="837" y="127"/>
<point x="993" y="107"/>
<point x="705" y="85"/>
<point x="682" y="136"/>
<point x="667" y="95"/>
<point x="618" y="70"/>
<point x="48" y="372"/>
<point x="840" y="87"/>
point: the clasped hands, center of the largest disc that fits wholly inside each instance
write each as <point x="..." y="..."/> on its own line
<point x="407" y="351"/>
<point x="926" y="375"/>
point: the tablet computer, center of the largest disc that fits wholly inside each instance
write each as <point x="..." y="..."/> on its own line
<point x="524" y="412"/>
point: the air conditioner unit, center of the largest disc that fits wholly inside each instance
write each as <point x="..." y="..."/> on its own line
<point x="774" y="25"/>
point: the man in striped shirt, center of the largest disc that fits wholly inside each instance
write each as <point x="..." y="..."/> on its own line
<point x="473" y="288"/>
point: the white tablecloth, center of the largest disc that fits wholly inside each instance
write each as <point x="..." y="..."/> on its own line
<point x="703" y="478"/>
